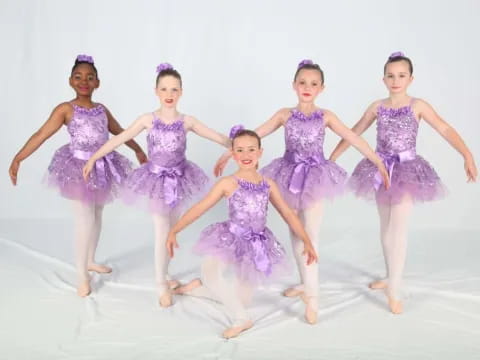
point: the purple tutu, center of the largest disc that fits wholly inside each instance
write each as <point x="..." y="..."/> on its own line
<point x="164" y="191"/>
<point x="325" y="180"/>
<point x="414" y="177"/>
<point x="397" y="131"/>
<point x="241" y="252"/>
<point x="167" y="182"/>
<point x="65" y="174"/>
<point x="88" y="131"/>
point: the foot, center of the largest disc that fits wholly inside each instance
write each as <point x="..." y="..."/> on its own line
<point x="396" y="306"/>
<point x="183" y="289"/>
<point x="378" y="285"/>
<point x="311" y="309"/>
<point x="83" y="288"/>
<point x="236" y="330"/>
<point x="98" y="268"/>
<point x="173" y="284"/>
<point x="292" y="292"/>
<point x="165" y="299"/>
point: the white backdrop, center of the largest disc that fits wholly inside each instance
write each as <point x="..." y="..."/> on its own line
<point x="237" y="60"/>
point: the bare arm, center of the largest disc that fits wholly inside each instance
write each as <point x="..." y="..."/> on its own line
<point x="358" y="142"/>
<point x="427" y="113"/>
<point x="51" y="126"/>
<point x="132" y="131"/>
<point x="197" y="210"/>
<point x="115" y="129"/>
<point x="359" y="128"/>
<point x="293" y="221"/>
<point x="204" y="131"/>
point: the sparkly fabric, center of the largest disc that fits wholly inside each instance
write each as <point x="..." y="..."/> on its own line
<point x="88" y="131"/>
<point x="167" y="182"/>
<point x="396" y="134"/>
<point x="244" y="240"/>
<point x="303" y="174"/>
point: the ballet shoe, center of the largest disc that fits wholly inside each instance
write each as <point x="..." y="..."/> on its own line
<point x="100" y="269"/>
<point x="236" y="330"/>
<point x="165" y="299"/>
<point x="84" y="289"/>
<point x="292" y="292"/>
<point x="396" y="306"/>
<point x="180" y="290"/>
<point x="311" y="309"/>
<point x="378" y="285"/>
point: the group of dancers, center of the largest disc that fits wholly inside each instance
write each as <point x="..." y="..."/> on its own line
<point x="241" y="252"/>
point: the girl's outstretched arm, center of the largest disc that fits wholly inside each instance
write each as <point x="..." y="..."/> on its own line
<point x="272" y="124"/>
<point x="293" y="221"/>
<point x="115" y="129"/>
<point x="204" y="131"/>
<point x="427" y="113"/>
<point x="359" y="128"/>
<point x="114" y="142"/>
<point x="50" y="127"/>
<point x="197" y="210"/>
<point x="358" y="142"/>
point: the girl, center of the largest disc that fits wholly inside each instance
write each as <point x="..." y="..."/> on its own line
<point x="88" y="124"/>
<point x="243" y="242"/>
<point x="303" y="175"/>
<point x="412" y="178"/>
<point x="168" y="180"/>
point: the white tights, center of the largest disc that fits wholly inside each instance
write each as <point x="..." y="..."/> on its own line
<point x="162" y="224"/>
<point x="88" y="224"/>
<point x="311" y="219"/>
<point x="234" y="295"/>
<point x="393" y="234"/>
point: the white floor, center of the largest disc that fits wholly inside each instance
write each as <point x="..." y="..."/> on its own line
<point x="42" y="318"/>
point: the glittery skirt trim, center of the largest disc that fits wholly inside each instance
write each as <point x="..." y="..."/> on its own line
<point x="323" y="181"/>
<point x="65" y="174"/>
<point x="216" y="240"/>
<point x="415" y="177"/>
<point x="147" y="189"/>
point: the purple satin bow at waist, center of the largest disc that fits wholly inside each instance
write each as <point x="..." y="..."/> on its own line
<point x="170" y="181"/>
<point x="302" y="167"/>
<point x="100" y="165"/>
<point x="390" y="161"/>
<point x="257" y="240"/>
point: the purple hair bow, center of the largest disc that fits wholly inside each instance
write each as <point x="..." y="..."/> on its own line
<point x="85" y="58"/>
<point x="304" y="62"/>
<point x="164" y="66"/>
<point x="234" y="130"/>
<point x="396" y="54"/>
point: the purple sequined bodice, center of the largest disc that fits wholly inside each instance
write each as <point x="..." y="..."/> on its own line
<point x="167" y="142"/>
<point x="88" y="128"/>
<point x="396" y="130"/>
<point x="248" y="205"/>
<point x="304" y="135"/>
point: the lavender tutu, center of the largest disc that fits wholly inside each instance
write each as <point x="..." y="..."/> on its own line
<point x="167" y="182"/>
<point x="88" y="131"/>
<point x="303" y="174"/>
<point x="244" y="241"/>
<point x="409" y="173"/>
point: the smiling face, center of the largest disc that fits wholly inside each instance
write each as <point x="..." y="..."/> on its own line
<point x="84" y="80"/>
<point x="169" y="90"/>
<point x="308" y="84"/>
<point x="246" y="152"/>
<point x="397" y="77"/>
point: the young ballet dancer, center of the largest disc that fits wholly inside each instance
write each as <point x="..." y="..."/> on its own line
<point x="243" y="243"/>
<point x="168" y="180"/>
<point x="88" y="124"/>
<point x="304" y="177"/>
<point x="412" y="178"/>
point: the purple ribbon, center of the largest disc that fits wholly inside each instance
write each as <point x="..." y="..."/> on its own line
<point x="303" y="166"/>
<point x="257" y="240"/>
<point x="100" y="166"/>
<point x="170" y="181"/>
<point x="390" y="161"/>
